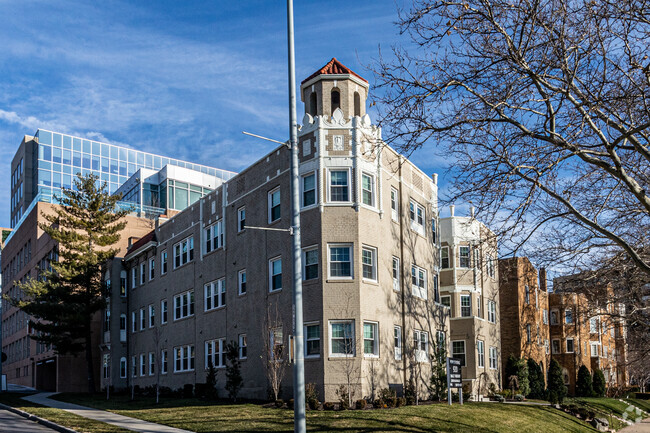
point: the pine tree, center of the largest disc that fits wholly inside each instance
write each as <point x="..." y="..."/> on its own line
<point x="518" y="367"/>
<point x="63" y="301"/>
<point x="234" y="380"/>
<point x="535" y="379"/>
<point x="439" y="373"/>
<point x="600" y="385"/>
<point x="584" y="386"/>
<point x="556" y="391"/>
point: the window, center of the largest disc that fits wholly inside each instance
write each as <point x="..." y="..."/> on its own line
<point x="184" y="305"/>
<point x="342" y="338"/>
<point x="489" y="263"/>
<point x="528" y="333"/>
<point x="163" y="262"/>
<point x="183" y="252"/>
<point x="122" y="283"/>
<point x="444" y="257"/>
<point x="163" y="311"/>
<point x="493" y="358"/>
<point x="419" y="282"/>
<point x="556" y="346"/>
<point x="152" y="316"/>
<point x="243" y="346"/>
<point x="465" y="305"/>
<point x="134" y="277"/>
<point x="480" y="349"/>
<point x="545" y="316"/>
<point x="554" y="318"/>
<point x="569" y="345"/>
<point x="464" y="256"/>
<point x="339" y="190"/>
<point x="604" y="348"/>
<point x="308" y="190"/>
<point x="241" y="282"/>
<point x="369" y="263"/>
<point x="394" y="204"/>
<point x="458" y="351"/>
<point x="184" y="358"/>
<point x="143" y="272"/>
<point x="416" y="214"/>
<point x="568" y="316"/>
<point x="436" y="291"/>
<point x="276" y="337"/>
<point x="213" y="236"/>
<point x="446" y="301"/>
<point x="594" y="350"/>
<point x="123" y="367"/>
<point x="143" y="365"/>
<point x="310" y="263"/>
<point x="122" y="328"/>
<point x="274" y="205"/>
<point x="163" y="362"/>
<point x="421" y="345"/>
<point x="152" y="363"/>
<point x="214" y="353"/>
<point x="593" y="325"/>
<point x="527" y="295"/>
<point x="434" y="236"/>
<point x="143" y="322"/>
<point x="367" y="189"/>
<point x="396" y="282"/>
<point x="441" y="339"/>
<point x="152" y="265"/>
<point x="546" y="346"/>
<point x="275" y="275"/>
<point x="241" y="219"/>
<point x="340" y="264"/>
<point x="133" y="322"/>
<point x="312" y="340"/>
<point x="215" y="294"/>
<point x="370" y="339"/>
<point x="397" y="342"/>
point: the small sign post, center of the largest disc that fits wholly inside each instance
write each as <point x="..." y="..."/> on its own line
<point x="454" y="378"/>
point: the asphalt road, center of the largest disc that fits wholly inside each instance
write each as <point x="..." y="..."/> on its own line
<point x="12" y="423"/>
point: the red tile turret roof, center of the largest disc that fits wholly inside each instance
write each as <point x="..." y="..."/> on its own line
<point x="331" y="68"/>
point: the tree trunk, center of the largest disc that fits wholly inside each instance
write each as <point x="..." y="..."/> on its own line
<point x="89" y="362"/>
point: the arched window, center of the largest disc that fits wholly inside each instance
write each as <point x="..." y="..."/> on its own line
<point x="312" y="103"/>
<point x="336" y="100"/>
<point x="357" y="104"/>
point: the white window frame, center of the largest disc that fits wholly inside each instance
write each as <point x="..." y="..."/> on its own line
<point x="557" y="317"/>
<point x="163" y="262"/>
<point x="372" y="191"/>
<point x="444" y="251"/>
<point x="271" y="206"/>
<point x="242" y="346"/>
<point x="152" y="268"/>
<point x="396" y="271"/>
<point x="186" y="303"/>
<point x="241" y="219"/>
<point x="123" y="328"/>
<point x="593" y="325"/>
<point x="464" y="307"/>
<point x="181" y="258"/>
<point x="143" y="272"/>
<point x="134" y="322"/>
<point x="213" y="237"/>
<point x="351" y="337"/>
<point x="346" y="186"/>
<point x="545" y="316"/>
<point x="143" y="320"/>
<point x="417" y="216"/>
<point x="371" y="253"/>
<point x="494" y="359"/>
<point x="303" y="178"/>
<point x="164" y="311"/>
<point x="553" y="346"/>
<point x="143" y="365"/>
<point x="310" y="252"/>
<point x="215" y="353"/>
<point x="351" y="261"/>
<point x="419" y="282"/>
<point x="308" y="339"/>
<point x="421" y="345"/>
<point x="242" y="285"/>
<point x="594" y="350"/>
<point x="163" y="361"/>
<point x="152" y="363"/>
<point x="273" y="274"/>
<point x="480" y="352"/>
<point x="489" y="263"/>
<point x="214" y="295"/>
<point x="397" y="342"/>
<point x="394" y="204"/>
<point x="374" y="326"/>
<point x="566" y="345"/>
<point x="185" y="355"/>
<point x="152" y="316"/>
<point x="464" y="257"/>
<point x="448" y="298"/>
<point x="568" y="318"/>
<point x="454" y="354"/>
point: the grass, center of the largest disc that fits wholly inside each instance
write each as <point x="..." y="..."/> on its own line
<point x="200" y="416"/>
<point x="58" y="416"/>
<point x="605" y="406"/>
<point x="641" y="404"/>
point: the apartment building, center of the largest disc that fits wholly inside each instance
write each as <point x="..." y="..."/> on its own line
<point x="220" y="271"/>
<point x="469" y="284"/>
<point x="523" y="304"/>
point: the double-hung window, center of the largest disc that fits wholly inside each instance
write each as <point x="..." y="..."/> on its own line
<point x="339" y="186"/>
<point x="444" y="257"/>
<point x="555" y="346"/>
<point x="554" y="319"/>
<point x="464" y="261"/>
<point x="143" y="272"/>
<point x="143" y="322"/>
<point x="215" y="353"/>
<point x="215" y="294"/>
<point x="312" y="340"/>
<point x="528" y="334"/>
<point x="184" y="305"/>
<point x="394" y="204"/>
<point x="369" y="262"/>
<point x="493" y="358"/>
<point x="568" y="316"/>
<point x="163" y="262"/>
<point x="213" y="236"/>
<point x="340" y="261"/>
<point x="143" y="365"/>
<point x="241" y="219"/>
<point x="421" y="345"/>
<point x="241" y="282"/>
<point x="134" y="277"/>
<point x="183" y="252"/>
<point x="310" y="264"/>
<point x="569" y="345"/>
<point x="480" y="349"/>
<point x="163" y="311"/>
<point x="163" y="362"/>
<point x="275" y="274"/>
<point x="308" y="185"/>
<point x="458" y="351"/>
<point x="370" y="339"/>
<point x="419" y="282"/>
<point x="396" y="282"/>
<point x="152" y="316"/>
<point x="417" y="216"/>
<point x="465" y="305"/>
<point x="152" y="265"/>
<point x="152" y="363"/>
<point x="397" y="342"/>
<point x="243" y="346"/>
<point x="342" y="338"/>
<point x="368" y="189"/>
<point x="274" y="205"/>
<point x="184" y="358"/>
<point x="489" y="263"/>
<point x="134" y="323"/>
<point x="446" y="301"/>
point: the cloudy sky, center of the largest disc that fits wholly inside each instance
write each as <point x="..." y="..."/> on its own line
<point x="177" y="78"/>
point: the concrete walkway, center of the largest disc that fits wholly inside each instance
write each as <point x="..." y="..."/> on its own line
<point x="640" y="427"/>
<point x="102" y="415"/>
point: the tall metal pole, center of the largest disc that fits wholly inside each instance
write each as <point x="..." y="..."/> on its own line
<point x="299" y="354"/>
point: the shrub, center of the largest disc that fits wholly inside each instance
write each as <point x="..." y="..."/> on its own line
<point x="361" y="404"/>
<point x="519" y="397"/>
<point x="234" y="380"/>
<point x="328" y="405"/>
<point x="290" y="404"/>
<point x="599" y="384"/>
<point x="344" y="400"/>
<point x="499" y="398"/>
<point x="583" y="412"/>
<point x="388" y="396"/>
<point x="378" y="403"/>
<point x="467" y="392"/>
<point x="401" y="401"/>
<point x="519" y="368"/>
<point x="313" y="403"/>
<point x="279" y="403"/>
<point x="409" y="392"/>
<point x="311" y="396"/>
<point x="584" y="387"/>
<point x="535" y="380"/>
<point x="506" y="393"/>
<point x="556" y="391"/>
<point x="642" y="395"/>
<point x="188" y="390"/>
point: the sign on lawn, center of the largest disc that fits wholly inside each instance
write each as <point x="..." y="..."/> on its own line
<point x="454" y="377"/>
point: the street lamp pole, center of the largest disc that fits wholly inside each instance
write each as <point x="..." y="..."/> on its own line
<point x="299" y="354"/>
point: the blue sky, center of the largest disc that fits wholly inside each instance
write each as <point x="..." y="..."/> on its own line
<point x="181" y="79"/>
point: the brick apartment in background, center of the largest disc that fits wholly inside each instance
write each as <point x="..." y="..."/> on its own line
<point x="215" y="273"/>
<point x="469" y="285"/>
<point x="524" y="311"/>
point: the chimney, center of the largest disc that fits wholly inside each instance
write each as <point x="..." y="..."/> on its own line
<point x="472" y="211"/>
<point x="542" y="280"/>
<point x="451" y="210"/>
<point x="434" y="176"/>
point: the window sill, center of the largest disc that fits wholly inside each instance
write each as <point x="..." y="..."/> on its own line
<point x="310" y="207"/>
<point x="274" y="291"/>
<point x="222" y="307"/>
<point x="370" y="281"/>
<point x="340" y="280"/>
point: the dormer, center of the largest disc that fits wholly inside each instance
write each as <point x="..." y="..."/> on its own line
<point x="334" y="86"/>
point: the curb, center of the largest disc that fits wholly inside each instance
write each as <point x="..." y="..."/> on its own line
<point x="39" y="420"/>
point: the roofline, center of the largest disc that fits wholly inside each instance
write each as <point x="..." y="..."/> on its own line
<point x="142" y="249"/>
<point x="321" y="77"/>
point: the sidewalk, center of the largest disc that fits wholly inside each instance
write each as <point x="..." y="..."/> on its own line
<point x="102" y="415"/>
<point x="640" y="427"/>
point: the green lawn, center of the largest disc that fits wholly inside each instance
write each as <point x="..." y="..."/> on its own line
<point x="199" y="416"/>
<point x="61" y="417"/>
<point x="641" y="404"/>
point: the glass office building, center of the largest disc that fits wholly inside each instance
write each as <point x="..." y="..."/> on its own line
<point x="50" y="160"/>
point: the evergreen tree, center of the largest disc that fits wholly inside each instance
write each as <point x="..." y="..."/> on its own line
<point x="556" y="391"/>
<point x="211" y="382"/>
<point x="535" y="379"/>
<point x="600" y="386"/>
<point x="439" y="373"/>
<point x="63" y="301"/>
<point x="234" y="379"/>
<point x="584" y="387"/>
<point x="518" y="367"/>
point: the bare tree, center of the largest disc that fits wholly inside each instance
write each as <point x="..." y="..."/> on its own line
<point x="274" y="357"/>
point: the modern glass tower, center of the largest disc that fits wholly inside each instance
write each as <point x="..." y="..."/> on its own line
<point x="49" y="160"/>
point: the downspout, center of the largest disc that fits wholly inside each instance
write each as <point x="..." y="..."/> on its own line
<point x="402" y="276"/>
